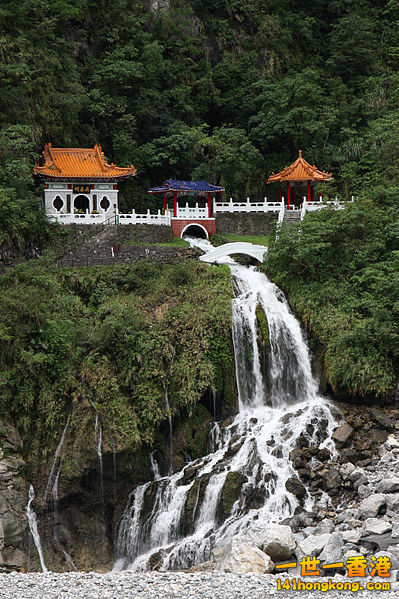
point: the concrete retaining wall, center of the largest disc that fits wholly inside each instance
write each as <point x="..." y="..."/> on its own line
<point x="253" y="223"/>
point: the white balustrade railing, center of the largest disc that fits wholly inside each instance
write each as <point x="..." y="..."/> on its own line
<point x="281" y="213"/>
<point x="78" y="219"/>
<point x="132" y="218"/>
<point x="144" y="219"/>
<point x="191" y="212"/>
<point x="197" y="212"/>
<point x="246" y="206"/>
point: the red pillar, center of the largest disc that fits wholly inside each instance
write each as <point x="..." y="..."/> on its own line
<point x="209" y="205"/>
<point x="288" y="196"/>
<point x="281" y="194"/>
<point x="308" y="192"/>
<point x="164" y="202"/>
<point x="174" y="203"/>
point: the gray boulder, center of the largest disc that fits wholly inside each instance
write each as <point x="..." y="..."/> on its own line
<point x="392" y="500"/>
<point x="389" y="485"/>
<point x="239" y="557"/>
<point x="279" y="542"/>
<point x="314" y="544"/>
<point x="343" y="433"/>
<point x="276" y="540"/>
<point x="358" y="477"/>
<point x="351" y="536"/>
<point x="333" y="549"/>
<point x="364" y="491"/>
<point x="332" y="480"/>
<point x="370" y="507"/>
<point x="346" y="470"/>
<point x="392" y="442"/>
<point x="375" y="526"/>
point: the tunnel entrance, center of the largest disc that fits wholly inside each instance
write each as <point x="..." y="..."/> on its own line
<point x="194" y="230"/>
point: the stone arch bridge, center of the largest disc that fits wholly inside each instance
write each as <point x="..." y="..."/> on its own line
<point x="240" y="247"/>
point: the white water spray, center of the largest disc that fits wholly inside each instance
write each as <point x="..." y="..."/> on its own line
<point x="57" y="459"/>
<point x="154" y="466"/>
<point x="98" y="439"/>
<point x="275" y="408"/>
<point x="33" y="528"/>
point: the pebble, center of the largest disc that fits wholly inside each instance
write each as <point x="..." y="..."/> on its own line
<point x="165" y="585"/>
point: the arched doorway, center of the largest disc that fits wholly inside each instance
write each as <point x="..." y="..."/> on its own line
<point x="81" y="202"/>
<point x="194" y="230"/>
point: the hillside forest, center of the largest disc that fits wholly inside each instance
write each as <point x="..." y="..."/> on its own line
<point x="228" y="91"/>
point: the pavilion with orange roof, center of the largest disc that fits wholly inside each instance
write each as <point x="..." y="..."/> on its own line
<point x="80" y="183"/>
<point x="298" y="173"/>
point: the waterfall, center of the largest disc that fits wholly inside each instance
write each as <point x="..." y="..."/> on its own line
<point x="170" y="429"/>
<point x="98" y="439"/>
<point x="154" y="466"/>
<point x="174" y="522"/>
<point x="168" y="411"/>
<point x="33" y="527"/>
<point x="57" y="459"/>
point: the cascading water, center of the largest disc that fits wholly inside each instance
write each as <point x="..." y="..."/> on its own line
<point x="174" y="522"/>
<point x="98" y="439"/>
<point x="56" y="461"/>
<point x="33" y="527"/>
<point x="154" y="467"/>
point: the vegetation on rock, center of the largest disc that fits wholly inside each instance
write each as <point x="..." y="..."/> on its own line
<point x="110" y="341"/>
<point x="341" y="273"/>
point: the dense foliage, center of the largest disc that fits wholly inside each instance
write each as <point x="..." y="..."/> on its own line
<point x="110" y="341"/>
<point x="224" y="90"/>
<point x="341" y="273"/>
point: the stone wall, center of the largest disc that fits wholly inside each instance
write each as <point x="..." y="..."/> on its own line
<point x="132" y="253"/>
<point x="245" y="223"/>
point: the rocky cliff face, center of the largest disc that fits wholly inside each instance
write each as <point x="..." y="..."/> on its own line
<point x="13" y="498"/>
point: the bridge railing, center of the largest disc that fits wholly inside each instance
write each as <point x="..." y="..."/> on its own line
<point x="191" y="212"/>
<point x="246" y="206"/>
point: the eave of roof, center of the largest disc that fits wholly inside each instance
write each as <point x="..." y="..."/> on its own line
<point x="79" y="164"/>
<point x="300" y="170"/>
<point x="174" y="185"/>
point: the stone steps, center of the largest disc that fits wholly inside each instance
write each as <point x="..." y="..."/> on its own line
<point x="291" y="218"/>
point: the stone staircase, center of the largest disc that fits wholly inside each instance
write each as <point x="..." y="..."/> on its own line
<point x="292" y="217"/>
<point x="130" y="243"/>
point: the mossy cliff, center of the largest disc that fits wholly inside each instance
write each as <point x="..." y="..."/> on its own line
<point x="110" y="345"/>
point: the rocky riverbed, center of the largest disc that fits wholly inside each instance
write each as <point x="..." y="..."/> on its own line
<point x="349" y="505"/>
<point x="168" y="585"/>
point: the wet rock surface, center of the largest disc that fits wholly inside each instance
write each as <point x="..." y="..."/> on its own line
<point x="355" y="502"/>
<point x="13" y="498"/>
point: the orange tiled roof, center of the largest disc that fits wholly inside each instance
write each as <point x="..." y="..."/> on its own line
<point x="81" y="163"/>
<point x="300" y="170"/>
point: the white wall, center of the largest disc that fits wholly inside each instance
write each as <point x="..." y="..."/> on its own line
<point x="61" y="189"/>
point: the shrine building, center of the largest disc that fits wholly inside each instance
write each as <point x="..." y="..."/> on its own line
<point x="299" y="176"/>
<point x="80" y="186"/>
<point x="185" y="218"/>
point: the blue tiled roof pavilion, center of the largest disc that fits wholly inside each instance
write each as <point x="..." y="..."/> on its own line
<point x="189" y="186"/>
